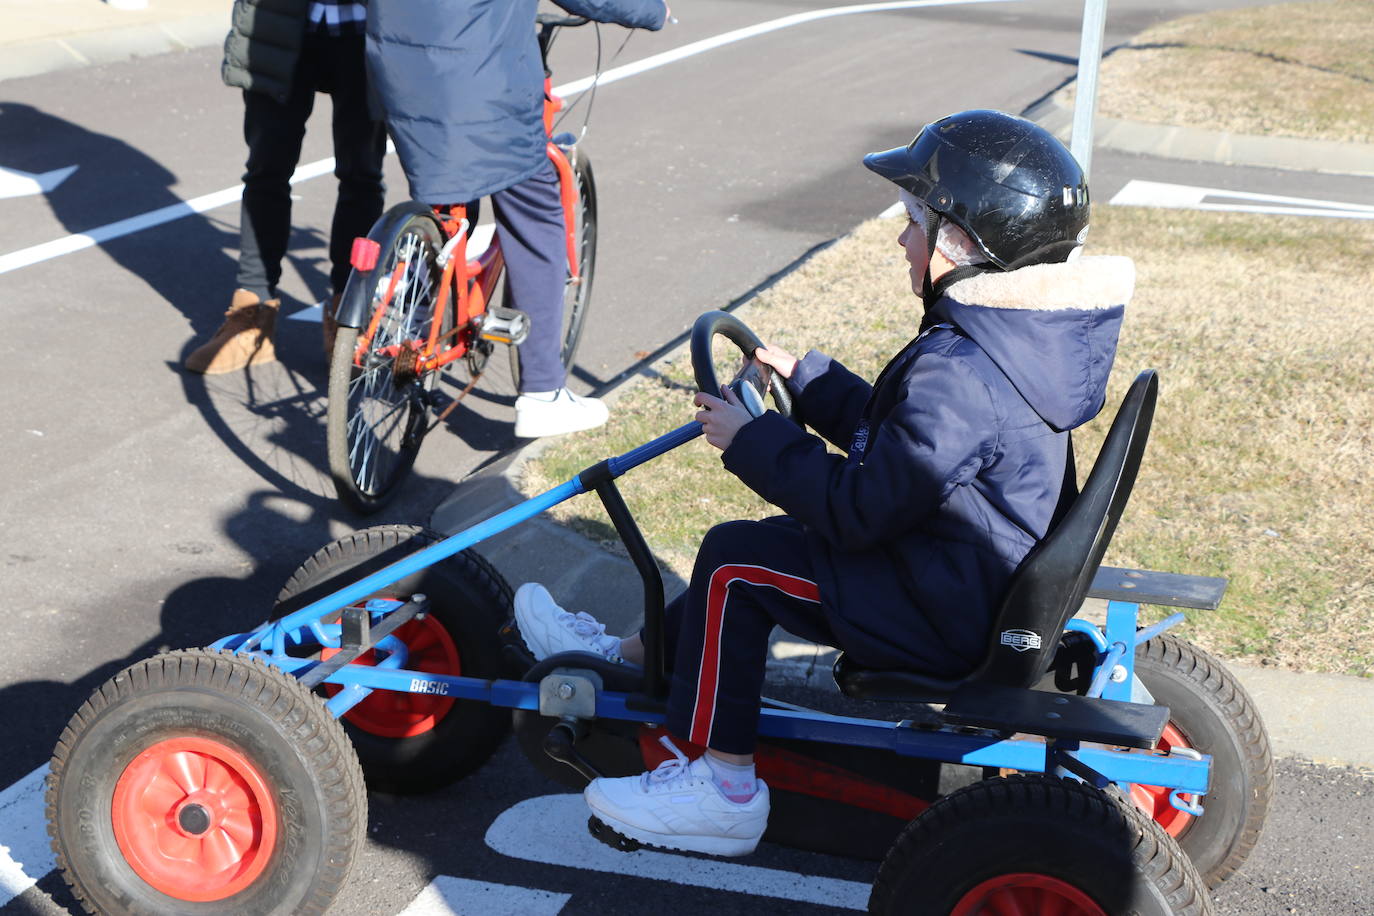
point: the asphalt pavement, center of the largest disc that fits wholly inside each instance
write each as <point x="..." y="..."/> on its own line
<point x="37" y="39"/>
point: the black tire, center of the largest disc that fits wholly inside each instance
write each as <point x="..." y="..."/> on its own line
<point x="412" y="743"/>
<point x="223" y="718"/>
<point x="1210" y="712"/>
<point x="576" y="296"/>
<point x="378" y="407"/>
<point x="988" y="837"/>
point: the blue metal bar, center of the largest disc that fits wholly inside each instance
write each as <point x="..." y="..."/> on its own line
<point x="1122" y="619"/>
<point x="1103" y="674"/>
<point x="307" y="616"/>
<point x="650" y="450"/>
<point x="1150" y="632"/>
<point x="1091" y="630"/>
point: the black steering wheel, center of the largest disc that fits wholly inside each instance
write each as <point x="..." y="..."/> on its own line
<point x="748" y="384"/>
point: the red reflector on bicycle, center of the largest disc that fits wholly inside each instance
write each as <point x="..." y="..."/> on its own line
<point x="364" y="255"/>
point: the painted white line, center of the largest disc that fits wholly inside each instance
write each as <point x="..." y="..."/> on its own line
<point x="1138" y="193"/>
<point x="81" y="241"/>
<point x="25" y="853"/>
<point x="448" y="896"/>
<point x="552" y="829"/>
<point x="16" y="183"/>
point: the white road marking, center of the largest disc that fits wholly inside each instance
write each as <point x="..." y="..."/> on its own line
<point x="81" y="241"/>
<point x="449" y="896"/>
<point x="552" y="829"/>
<point x="25" y="853"/>
<point x="1138" y="193"/>
<point x="14" y="183"/>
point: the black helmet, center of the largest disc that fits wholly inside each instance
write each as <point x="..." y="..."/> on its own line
<point x="1007" y="182"/>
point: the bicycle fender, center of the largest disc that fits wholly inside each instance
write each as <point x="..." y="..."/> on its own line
<point x="353" y="305"/>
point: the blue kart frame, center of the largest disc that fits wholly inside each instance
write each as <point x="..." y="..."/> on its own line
<point x="1077" y="750"/>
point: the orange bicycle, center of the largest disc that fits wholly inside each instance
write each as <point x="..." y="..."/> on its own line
<point x="415" y="305"/>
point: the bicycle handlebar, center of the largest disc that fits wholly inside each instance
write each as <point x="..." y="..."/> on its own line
<point x="553" y="19"/>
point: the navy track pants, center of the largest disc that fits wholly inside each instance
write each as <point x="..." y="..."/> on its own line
<point x="748" y="577"/>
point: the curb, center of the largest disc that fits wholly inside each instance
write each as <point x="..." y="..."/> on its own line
<point x="34" y="58"/>
<point x="1169" y="142"/>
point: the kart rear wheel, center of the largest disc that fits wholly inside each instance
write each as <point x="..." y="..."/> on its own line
<point x="1036" y="845"/>
<point x="204" y="782"/>
<point x="1209" y="711"/>
<point x="410" y="743"/>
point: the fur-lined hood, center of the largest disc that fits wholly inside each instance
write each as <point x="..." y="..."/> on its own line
<point x="1051" y="328"/>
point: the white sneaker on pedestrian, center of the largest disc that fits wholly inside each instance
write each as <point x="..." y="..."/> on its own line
<point x="553" y="413"/>
<point x="679" y="806"/>
<point x="547" y="629"/>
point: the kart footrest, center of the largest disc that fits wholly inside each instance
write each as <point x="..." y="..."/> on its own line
<point x="1056" y="715"/>
<point x="359" y="638"/>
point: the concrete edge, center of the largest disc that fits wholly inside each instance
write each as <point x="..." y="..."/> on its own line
<point x="1172" y="142"/>
<point x="47" y="55"/>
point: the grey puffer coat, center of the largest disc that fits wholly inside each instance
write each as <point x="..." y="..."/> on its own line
<point x="263" y="45"/>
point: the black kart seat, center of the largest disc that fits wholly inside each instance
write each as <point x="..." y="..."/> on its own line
<point x="1052" y="581"/>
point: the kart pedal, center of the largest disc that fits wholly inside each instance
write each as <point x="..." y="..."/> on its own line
<point x="597" y="828"/>
<point x="503" y="325"/>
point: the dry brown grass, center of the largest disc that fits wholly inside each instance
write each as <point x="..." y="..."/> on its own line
<point x="1292" y="70"/>
<point x="1262" y="329"/>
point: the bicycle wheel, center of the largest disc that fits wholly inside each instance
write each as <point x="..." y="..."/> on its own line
<point x="379" y="403"/>
<point x="577" y="293"/>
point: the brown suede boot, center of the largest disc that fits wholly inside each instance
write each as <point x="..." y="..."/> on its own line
<point x="331" y="326"/>
<point x="244" y="339"/>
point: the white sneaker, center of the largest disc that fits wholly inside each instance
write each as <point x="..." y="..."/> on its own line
<point x="553" y="413"/>
<point x="679" y="806"/>
<point x="547" y="629"/>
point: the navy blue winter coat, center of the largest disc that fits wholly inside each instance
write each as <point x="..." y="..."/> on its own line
<point x="955" y="459"/>
<point x="462" y="87"/>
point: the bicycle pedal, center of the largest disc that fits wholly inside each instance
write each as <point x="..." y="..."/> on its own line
<point x="504" y="325"/>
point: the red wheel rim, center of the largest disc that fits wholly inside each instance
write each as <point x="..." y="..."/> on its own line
<point x="1026" y="894"/>
<point x="392" y="714"/>
<point x="194" y="819"/>
<point x="1154" y="800"/>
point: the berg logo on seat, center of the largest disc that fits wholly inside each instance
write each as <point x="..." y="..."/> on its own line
<point x="1021" y="640"/>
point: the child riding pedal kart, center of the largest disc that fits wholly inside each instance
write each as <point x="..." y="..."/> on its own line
<point x="945" y="552"/>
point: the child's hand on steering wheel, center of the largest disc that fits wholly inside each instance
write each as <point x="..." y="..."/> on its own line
<point x="720" y="419"/>
<point x="776" y="358"/>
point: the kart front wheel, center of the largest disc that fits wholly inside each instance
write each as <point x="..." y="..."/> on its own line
<point x="204" y="782"/>
<point x="1036" y="845"/>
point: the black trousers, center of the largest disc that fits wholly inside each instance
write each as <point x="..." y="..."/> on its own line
<point x="274" y="130"/>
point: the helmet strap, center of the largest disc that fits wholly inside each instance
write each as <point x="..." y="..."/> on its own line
<point x="932" y="234"/>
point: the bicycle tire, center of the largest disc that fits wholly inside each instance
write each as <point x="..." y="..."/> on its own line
<point x="378" y="411"/>
<point x="576" y="296"/>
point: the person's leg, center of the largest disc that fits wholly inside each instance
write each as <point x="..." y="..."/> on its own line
<point x="359" y="148"/>
<point x="748" y="577"/>
<point x="529" y="223"/>
<point x="530" y="227"/>
<point x="273" y="131"/>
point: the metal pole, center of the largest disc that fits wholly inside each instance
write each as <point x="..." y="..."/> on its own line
<point x="1085" y="102"/>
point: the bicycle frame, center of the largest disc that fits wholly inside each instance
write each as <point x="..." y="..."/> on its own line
<point x="472" y="288"/>
<point x="1182" y="773"/>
